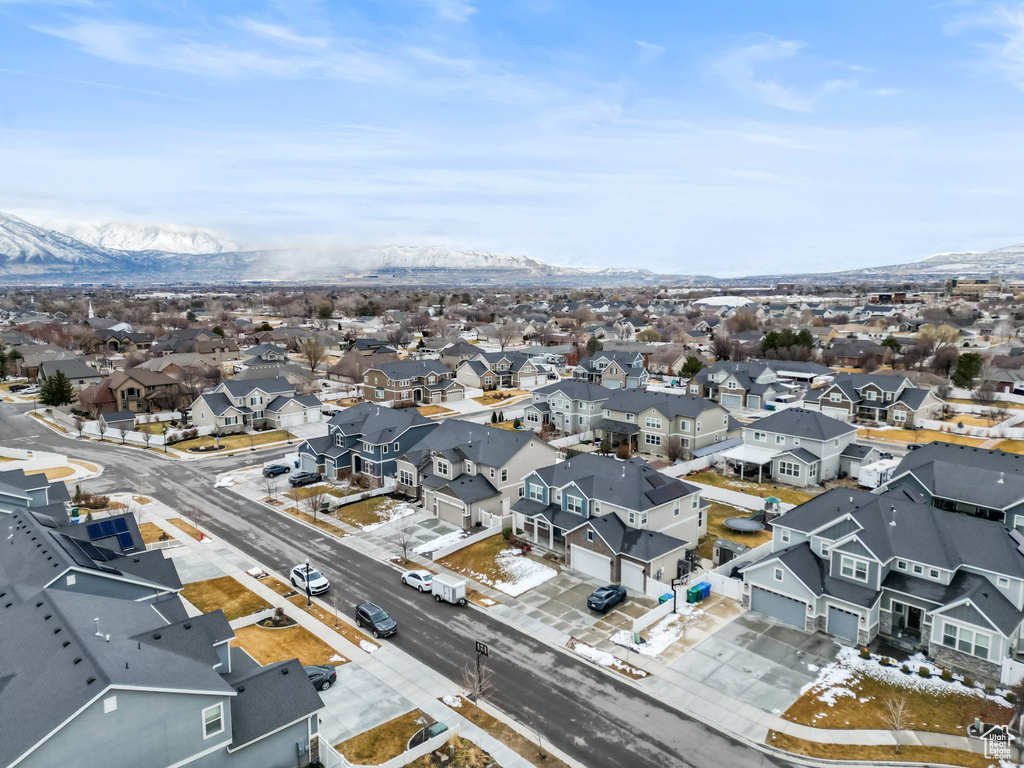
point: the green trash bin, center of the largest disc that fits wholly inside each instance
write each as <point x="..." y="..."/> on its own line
<point x="693" y="594"/>
<point x="665" y="598"/>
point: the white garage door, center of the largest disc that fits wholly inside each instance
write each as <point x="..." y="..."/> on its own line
<point x="840" y="414"/>
<point x="592" y="564"/>
<point x="732" y="401"/>
<point x="632" y="577"/>
<point x="782" y="607"/>
<point x="291" y="419"/>
<point x="454" y="395"/>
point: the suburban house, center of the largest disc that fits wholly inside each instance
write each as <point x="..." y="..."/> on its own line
<point x="77" y="372"/>
<point x="614" y="370"/>
<point x="980" y="482"/>
<point x="99" y="648"/>
<point x="618" y="522"/>
<point x="115" y="340"/>
<point x="568" y="406"/>
<point x="408" y="382"/>
<point x="857" y="565"/>
<point x="198" y="340"/>
<point x="364" y="442"/>
<point x="498" y="370"/>
<point x="137" y="389"/>
<point x="470" y="474"/>
<point x="856" y="397"/>
<point x="740" y="385"/>
<point x="659" y="423"/>
<point x="235" y="405"/>
<point x="799" y="447"/>
<point x="455" y="353"/>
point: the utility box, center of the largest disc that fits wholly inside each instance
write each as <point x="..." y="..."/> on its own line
<point x="449" y="589"/>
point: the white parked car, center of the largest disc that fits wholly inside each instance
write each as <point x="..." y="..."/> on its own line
<point x="304" y="574"/>
<point x="419" y="579"/>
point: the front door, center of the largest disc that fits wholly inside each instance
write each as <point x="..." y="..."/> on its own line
<point x="913" y="620"/>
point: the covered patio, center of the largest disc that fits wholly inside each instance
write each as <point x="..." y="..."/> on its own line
<point x="743" y="456"/>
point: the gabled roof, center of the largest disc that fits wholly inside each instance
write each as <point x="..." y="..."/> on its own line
<point x="269" y="698"/>
<point x="481" y="444"/>
<point x="632" y="485"/>
<point x="376" y="424"/>
<point x="217" y="402"/>
<point x="800" y="422"/>
<point x="640" y="544"/>
<point x="575" y="389"/>
<point x="667" y="404"/>
<point x="411" y="369"/>
<point x="237" y="387"/>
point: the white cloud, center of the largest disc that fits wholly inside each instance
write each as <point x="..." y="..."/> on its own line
<point x="648" y="50"/>
<point x="1008" y="55"/>
<point x="281" y="34"/>
<point x="453" y="10"/>
<point x="885" y="92"/>
<point x="738" y="69"/>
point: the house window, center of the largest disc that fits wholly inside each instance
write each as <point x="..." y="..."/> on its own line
<point x="213" y="720"/>
<point x="778" y="574"/>
<point x="536" y="492"/>
<point x="630" y="417"/>
<point x="933" y="573"/>
<point x="700" y="519"/>
<point x="824" y="550"/>
<point x="522" y="491"/>
<point x="504" y="475"/>
<point x="652" y="422"/>
<point x="918" y="569"/>
<point x="590" y="535"/>
<point x="386" y="448"/>
<point x="469" y="467"/>
<point x="698" y="427"/>
<point x="966" y="640"/>
<point x="442" y="468"/>
<point x="675" y="509"/>
<point x="785" y="536"/>
<point x="574" y="504"/>
<point x="652" y="439"/>
<point x="339" y="439"/>
<point x="835" y="397"/>
<point x="684" y="425"/>
<point x="379" y="393"/>
<point x="901" y="564"/>
<point x="632" y="518"/>
<point x="405" y="478"/>
<point x="607" y="412"/>
<point x="780" y="439"/>
<point x="395" y="446"/>
<point x="870" y="395"/>
<point x="760" y="437"/>
<point x="597" y="507"/>
<point x="854" y="569"/>
<point x="900" y="416"/>
<point x="789" y="468"/>
<point x="1003" y="581"/>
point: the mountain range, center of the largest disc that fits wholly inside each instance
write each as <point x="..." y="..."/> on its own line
<point x="131" y="253"/>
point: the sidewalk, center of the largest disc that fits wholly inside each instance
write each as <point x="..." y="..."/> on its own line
<point x="692" y="697"/>
<point x="417" y="683"/>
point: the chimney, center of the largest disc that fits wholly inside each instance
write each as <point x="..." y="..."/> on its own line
<point x="98" y="633"/>
<point x="1000" y="480"/>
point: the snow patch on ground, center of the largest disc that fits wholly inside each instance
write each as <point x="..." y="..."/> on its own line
<point x="661" y="635"/>
<point x="605" y="659"/>
<point x="834" y="681"/>
<point x="389" y="515"/>
<point x="518" y="574"/>
<point x="455" y="702"/>
<point x="487" y="601"/>
<point x="440" y="542"/>
<point x="225" y="482"/>
<point x="256" y="572"/>
<point x="367" y="646"/>
<point x="337" y="658"/>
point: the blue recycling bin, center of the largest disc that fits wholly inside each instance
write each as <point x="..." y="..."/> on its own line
<point x="665" y="598"/>
<point x="705" y="589"/>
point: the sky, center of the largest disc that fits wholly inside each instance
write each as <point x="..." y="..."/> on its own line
<point x="685" y="137"/>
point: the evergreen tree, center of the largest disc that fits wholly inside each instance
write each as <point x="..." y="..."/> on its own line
<point x="967" y="368"/>
<point x="691" y="367"/>
<point x="57" y="390"/>
<point x="3" y="365"/>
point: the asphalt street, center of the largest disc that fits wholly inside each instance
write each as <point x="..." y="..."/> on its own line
<point x="597" y="719"/>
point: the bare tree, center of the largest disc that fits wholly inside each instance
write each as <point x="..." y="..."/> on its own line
<point x="147" y="436"/>
<point x="478" y="681"/>
<point x="91" y="400"/>
<point x="896" y="716"/>
<point x="986" y="392"/>
<point x="402" y="536"/>
<point x="313" y="353"/>
<point x="674" y="449"/>
<point x="506" y="333"/>
<point x="399" y="338"/>
<point x="79" y="424"/>
<point x="123" y="431"/>
<point x="270" y="486"/>
<point x="101" y="425"/>
<point x="316" y="499"/>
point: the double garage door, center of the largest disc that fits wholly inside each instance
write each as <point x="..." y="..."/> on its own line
<point x="732" y="401"/>
<point x="592" y="564"/>
<point x="781" y="607"/>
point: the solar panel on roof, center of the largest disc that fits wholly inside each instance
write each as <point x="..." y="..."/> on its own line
<point x="105" y="528"/>
<point x="125" y="540"/>
<point x="74" y="550"/>
<point x="46" y="521"/>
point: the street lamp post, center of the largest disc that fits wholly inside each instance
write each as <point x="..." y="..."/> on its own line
<point x="165" y="437"/>
<point x="309" y="595"/>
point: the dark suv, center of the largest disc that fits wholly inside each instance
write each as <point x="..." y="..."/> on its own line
<point x="377" y="619"/>
<point x="605" y="598"/>
<point x="304" y="478"/>
<point x="273" y="470"/>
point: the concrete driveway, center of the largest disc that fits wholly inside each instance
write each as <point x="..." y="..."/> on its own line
<point x="759" y="661"/>
<point x="357" y="702"/>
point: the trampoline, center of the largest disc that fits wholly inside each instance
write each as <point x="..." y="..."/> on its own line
<point x="742" y="524"/>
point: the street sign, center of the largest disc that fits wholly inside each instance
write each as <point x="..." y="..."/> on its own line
<point x="481" y="648"/>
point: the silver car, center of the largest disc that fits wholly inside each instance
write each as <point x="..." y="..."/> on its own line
<point x="419" y="579"/>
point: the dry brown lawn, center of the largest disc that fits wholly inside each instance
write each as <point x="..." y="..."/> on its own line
<point x="380" y="744"/>
<point x="233" y="442"/>
<point x="996" y="404"/>
<point x="141" y="500"/>
<point x="84" y="465"/>
<point x="921" y="436"/>
<point x="319" y="522"/>
<point x="54" y="473"/>
<point x="717" y="514"/>
<point x="152" y="533"/>
<point x="464" y="754"/>
<point x="764" y="490"/>
<point x="509" y="736"/>
<point x="225" y="593"/>
<point x="367" y="511"/>
<point x="339" y="492"/>
<point x="501" y="397"/>
<point x="907" y="753"/>
<point x="434" y="410"/>
<point x="269" y="645"/>
<point x="480" y="557"/>
<point x="950" y="713"/>
<point x="188" y="528"/>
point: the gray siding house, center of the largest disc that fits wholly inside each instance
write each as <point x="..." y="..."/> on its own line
<point x="858" y="565"/>
<point x="470" y="474"/>
<point x="616" y="521"/>
<point x="568" y="406"/>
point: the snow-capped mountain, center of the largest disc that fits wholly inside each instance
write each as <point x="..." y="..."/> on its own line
<point x="28" y="245"/>
<point x="132" y="236"/>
